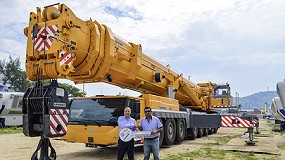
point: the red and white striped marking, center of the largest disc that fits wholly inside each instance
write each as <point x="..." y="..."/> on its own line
<point x="222" y="106"/>
<point x="255" y="121"/>
<point x="58" y="117"/>
<point x="44" y="39"/>
<point x="65" y="58"/>
<point x="234" y="121"/>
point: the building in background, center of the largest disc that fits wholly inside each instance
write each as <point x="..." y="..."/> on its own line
<point x="5" y="88"/>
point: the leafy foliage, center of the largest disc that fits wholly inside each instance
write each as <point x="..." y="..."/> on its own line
<point x="14" y="75"/>
<point x="11" y="130"/>
<point x="72" y="91"/>
<point x="18" y="79"/>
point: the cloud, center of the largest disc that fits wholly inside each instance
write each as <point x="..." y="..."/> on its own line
<point x="124" y="12"/>
<point x="235" y="41"/>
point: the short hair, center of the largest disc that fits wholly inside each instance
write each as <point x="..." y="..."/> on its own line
<point x="147" y="108"/>
<point x="128" y="108"/>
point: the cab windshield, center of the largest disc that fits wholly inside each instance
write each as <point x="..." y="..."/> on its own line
<point x="97" y="111"/>
<point x="220" y="91"/>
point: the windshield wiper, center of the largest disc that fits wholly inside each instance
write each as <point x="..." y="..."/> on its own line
<point x="87" y="120"/>
<point x="97" y="123"/>
<point x="109" y="122"/>
<point x="85" y="124"/>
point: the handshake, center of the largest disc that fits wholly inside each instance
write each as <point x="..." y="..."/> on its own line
<point x="140" y="128"/>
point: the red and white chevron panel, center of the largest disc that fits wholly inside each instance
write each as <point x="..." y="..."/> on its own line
<point x="255" y="121"/>
<point x="65" y="58"/>
<point x="234" y="121"/>
<point x="44" y="39"/>
<point x="58" y="117"/>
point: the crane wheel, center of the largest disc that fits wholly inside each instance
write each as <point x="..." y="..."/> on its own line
<point x="180" y="130"/>
<point x="169" y="132"/>
<point x="200" y="132"/>
<point x="211" y="131"/>
<point x="161" y="137"/>
<point x="192" y="132"/>
<point x="215" y="130"/>
<point x="206" y="131"/>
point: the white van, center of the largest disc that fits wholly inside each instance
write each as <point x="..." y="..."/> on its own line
<point x="11" y="104"/>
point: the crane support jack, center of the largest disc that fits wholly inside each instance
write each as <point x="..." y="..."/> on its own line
<point x="250" y="132"/>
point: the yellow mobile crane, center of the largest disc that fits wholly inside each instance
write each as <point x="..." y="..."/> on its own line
<point x="61" y="45"/>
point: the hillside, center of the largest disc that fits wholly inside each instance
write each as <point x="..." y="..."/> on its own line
<point x="257" y="100"/>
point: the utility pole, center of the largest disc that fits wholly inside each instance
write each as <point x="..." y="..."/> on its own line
<point x="237" y="100"/>
<point x="83" y="87"/>
<point x="189" y="77"/>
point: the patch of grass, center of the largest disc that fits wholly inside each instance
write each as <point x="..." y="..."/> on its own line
<point x="268" y="124"/>
<point x="181" y="156"/>
<point x="206" y="152"/>
<point x="272" y="157"/>
<point x="224" y="140"/>
<point x="214" y="154"/>
<point x="245" y="155"/>
<point x="209" y="153"/>
<point x="11" y="130"/>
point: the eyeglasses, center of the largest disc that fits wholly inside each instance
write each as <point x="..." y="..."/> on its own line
<point x="147" y="111"/>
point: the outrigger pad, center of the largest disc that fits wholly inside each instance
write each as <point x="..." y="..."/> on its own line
<point x="251" y="143"/>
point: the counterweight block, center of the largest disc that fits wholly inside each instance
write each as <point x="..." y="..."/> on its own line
<point x="45" y="110"/>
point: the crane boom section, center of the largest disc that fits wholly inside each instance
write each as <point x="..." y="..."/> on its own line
<point x="61" y="45"/>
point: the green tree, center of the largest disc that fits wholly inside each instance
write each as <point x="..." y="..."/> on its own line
<point x="72" y="91"/>
<point x="13" y="74"/>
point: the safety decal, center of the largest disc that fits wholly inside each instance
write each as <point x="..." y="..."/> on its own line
<point x="65" y="58"/>
<point x="234" y="121"/>
<point x="58" y="121"/>
<point x="44" y="38"/>
<point x="255" y="121"/>
<point x="224" y="106"/>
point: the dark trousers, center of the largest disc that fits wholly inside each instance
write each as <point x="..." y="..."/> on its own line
<point x="126" y="146"/>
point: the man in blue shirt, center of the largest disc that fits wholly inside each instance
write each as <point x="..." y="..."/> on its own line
<point x="153" y="124"/>
<point x="126" y="121"/>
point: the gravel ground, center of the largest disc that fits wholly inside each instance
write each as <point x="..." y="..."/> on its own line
<point x="19" y="147"/>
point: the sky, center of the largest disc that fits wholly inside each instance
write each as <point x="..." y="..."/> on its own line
<point x="240" y="42"/>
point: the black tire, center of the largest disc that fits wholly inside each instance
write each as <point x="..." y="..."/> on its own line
<point x="161" y="137"/>
<point x="193" y="133"/>
<point x="169" y="132"/>
<point x="211" y="131"/>
<point x="180" y="130"/>
<point x="206" y="131"/>
<point x="200" y="132"/>
<point x="215" y="130"/>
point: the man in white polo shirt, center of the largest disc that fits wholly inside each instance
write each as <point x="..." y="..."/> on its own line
<point x="126" y="121"/>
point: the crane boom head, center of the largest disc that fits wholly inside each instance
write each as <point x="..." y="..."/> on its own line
<point x="58" y="43"/>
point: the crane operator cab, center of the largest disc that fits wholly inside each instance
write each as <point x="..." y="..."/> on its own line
<point x="98" y="115"/>
<point x="221" y="96"/>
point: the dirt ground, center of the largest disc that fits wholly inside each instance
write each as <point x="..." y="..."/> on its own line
<point x="19" y="147"/>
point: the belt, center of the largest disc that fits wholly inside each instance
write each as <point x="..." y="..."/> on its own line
<point x="151" y="138"/>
